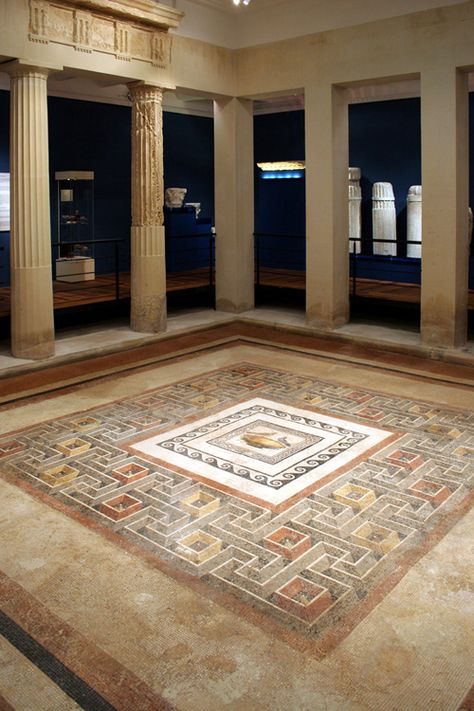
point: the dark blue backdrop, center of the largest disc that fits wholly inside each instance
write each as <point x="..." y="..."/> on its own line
<point x="189" y="158"/>
<point x="280" y="204"/>
<point x="384" y="142"/>
<point x="94" y="136"/>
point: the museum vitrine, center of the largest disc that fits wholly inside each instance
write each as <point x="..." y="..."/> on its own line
<point x="75" y="211"/>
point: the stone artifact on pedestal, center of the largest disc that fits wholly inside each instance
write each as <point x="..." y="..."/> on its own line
<point x="384" y="219"/>
<point x="414" y="221"/>
<point x="174" y="197"/>
<point x="196" y="207"/>
<point x="355" y="210"/>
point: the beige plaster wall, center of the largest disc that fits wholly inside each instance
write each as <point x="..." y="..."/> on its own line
<point x="385" y="49"/>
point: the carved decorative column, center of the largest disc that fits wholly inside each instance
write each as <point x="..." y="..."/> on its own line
<point x="355" y="210"/>
<point x="32" y="324"/>
<point x="148" y="289"/>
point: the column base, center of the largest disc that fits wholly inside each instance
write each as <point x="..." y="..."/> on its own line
<point x="322" y="322"/>
<point x="230" y="307"/>
<point x="32" y="320"/>
<point x="148" y="289"/>
<point x="447" y="335"/>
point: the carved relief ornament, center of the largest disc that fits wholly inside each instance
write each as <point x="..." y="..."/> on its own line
<point x="147" y="150"/>
<point x="127" y="30"/>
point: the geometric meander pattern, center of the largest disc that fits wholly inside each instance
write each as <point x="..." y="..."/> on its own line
<point x="306" y="565"/>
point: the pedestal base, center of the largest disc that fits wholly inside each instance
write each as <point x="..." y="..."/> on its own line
<point x="75" y="269"/>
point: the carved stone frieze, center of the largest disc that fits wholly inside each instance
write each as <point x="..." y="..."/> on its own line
<point x="38" y="23"/>
<point x="122" y="41"/>
<point x="82" y="31"/>
<point x="103" y="26"/>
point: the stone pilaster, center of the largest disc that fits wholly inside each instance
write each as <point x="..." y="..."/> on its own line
<point x="32" y="323"/>
<point x="445" y="180"/>
<point x="234" y="198"/>
<point x="148" y="288"/>
<point x="327" y="214"/>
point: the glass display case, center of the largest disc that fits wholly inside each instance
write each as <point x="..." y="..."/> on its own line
<point x="75" y="206"/>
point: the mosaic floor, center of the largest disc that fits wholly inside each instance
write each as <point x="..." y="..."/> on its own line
<point x="298" y="496"/>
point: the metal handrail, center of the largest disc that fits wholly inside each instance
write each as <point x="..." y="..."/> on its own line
<point x="211" y="247"/>
<point x="3" y="267"/>
<point x="116" y="257"/>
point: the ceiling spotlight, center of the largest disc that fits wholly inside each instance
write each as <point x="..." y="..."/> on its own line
<point x="240" y="2"/>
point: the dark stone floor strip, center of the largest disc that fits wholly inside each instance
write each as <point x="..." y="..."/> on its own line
<point x="72" y="685"/>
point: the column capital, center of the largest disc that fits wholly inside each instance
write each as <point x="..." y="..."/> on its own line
<point x="145" y="91"/>
<point x="25" y="67"/>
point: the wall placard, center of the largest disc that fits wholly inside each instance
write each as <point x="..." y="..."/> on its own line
<point x="4" y="202"/>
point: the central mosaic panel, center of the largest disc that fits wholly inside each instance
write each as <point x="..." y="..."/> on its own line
<point x="264" y="451"/>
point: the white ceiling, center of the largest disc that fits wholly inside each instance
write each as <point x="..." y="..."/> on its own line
<point x="228" y="5"/>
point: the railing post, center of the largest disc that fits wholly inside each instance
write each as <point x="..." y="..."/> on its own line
<point x="212" y="301"/>
<point x="117" y="271"/>
<point x="354" y="274"/>
<point x="257" y="257"/>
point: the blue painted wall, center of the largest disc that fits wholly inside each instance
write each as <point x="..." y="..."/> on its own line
<point x="280" y="204"/>
<point x="92" y="136"/>
<point x="385" y="141"/>
<point x="189" y="158"/>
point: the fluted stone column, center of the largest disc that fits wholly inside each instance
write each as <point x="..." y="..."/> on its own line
<point x="384" y="219"/>
<point x="32" y="323"/>
<point x="414" y="206"/>
<point x="355" y="210"/>
<point x="148" y="280"/>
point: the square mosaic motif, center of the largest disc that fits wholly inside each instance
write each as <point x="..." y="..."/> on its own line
<point x="187" y="472"/>
<point x="265" y="451"/>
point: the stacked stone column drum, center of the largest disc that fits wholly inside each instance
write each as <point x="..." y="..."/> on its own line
<point x="384" y="219"/>
<point x="32" y="323"/>
<point x="414" y="207"/>
<point x="355" y="210"/>
<point x="148" y="270"/>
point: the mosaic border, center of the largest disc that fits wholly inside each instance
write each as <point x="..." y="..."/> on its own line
<point x="170" y="567"/>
